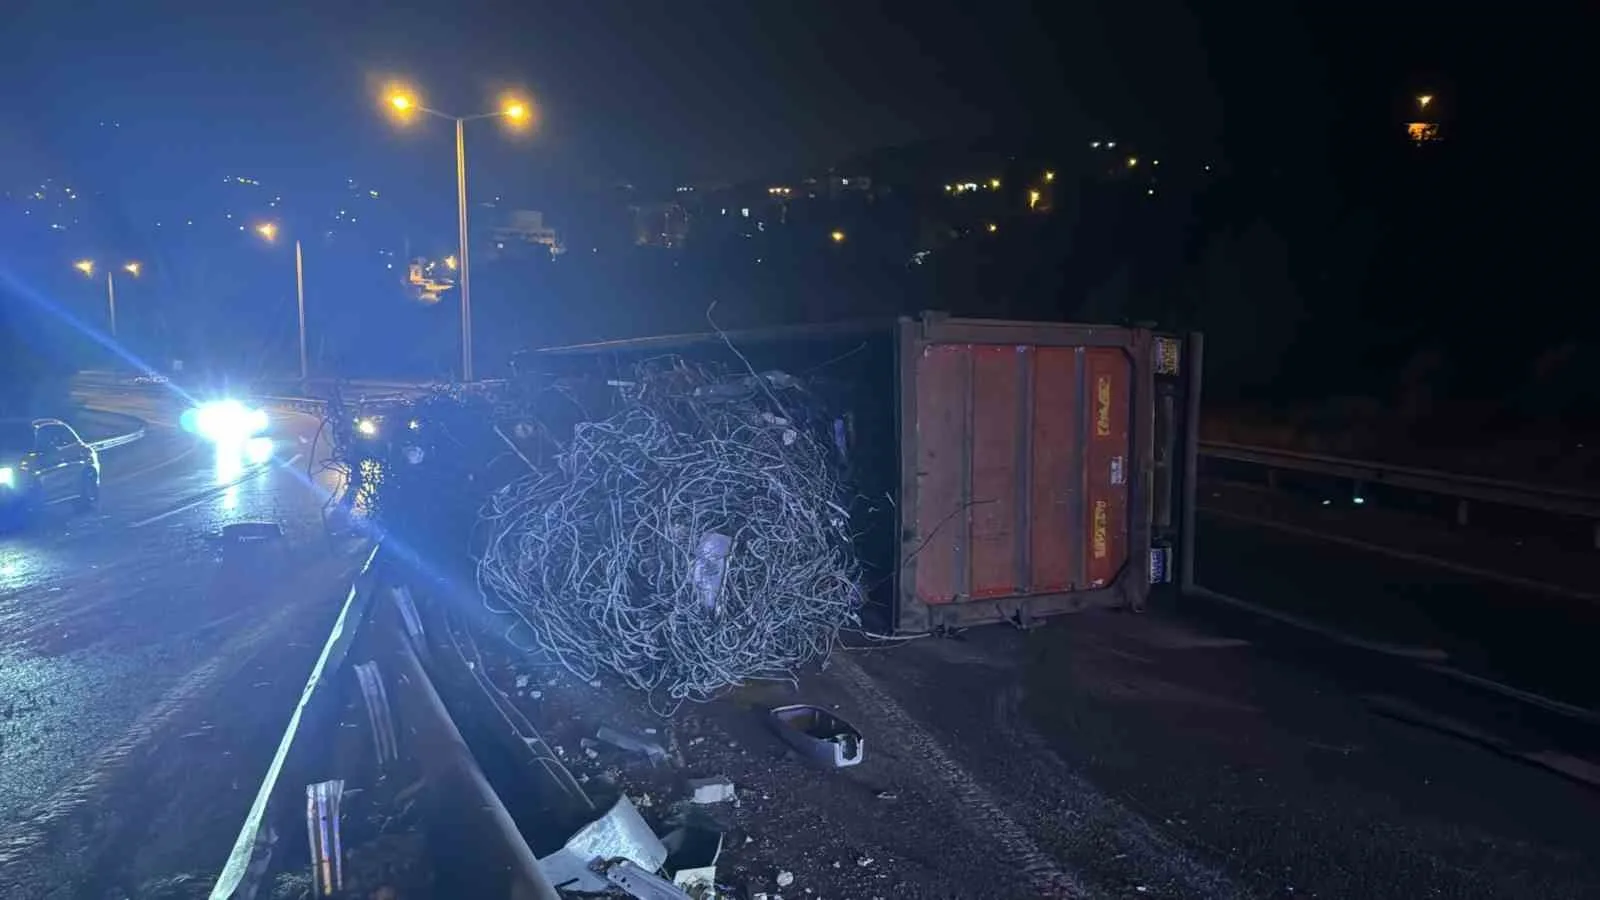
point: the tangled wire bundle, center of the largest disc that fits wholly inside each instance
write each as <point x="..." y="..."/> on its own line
<point x="693" y="541"/>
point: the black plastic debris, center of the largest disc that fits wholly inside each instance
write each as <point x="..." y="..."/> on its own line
<point x="692" y="853"/>
<point x="251" y="532"/>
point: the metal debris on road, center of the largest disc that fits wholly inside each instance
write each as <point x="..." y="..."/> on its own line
<point x="713" y="790"/>
<point x="619" y="834"/>
<point x="819" y="735"/>
<point x="637" y="882"/>
<point x="626" y="741"/>
<point x="376" y="699"/>
<point x="322" y="826"/>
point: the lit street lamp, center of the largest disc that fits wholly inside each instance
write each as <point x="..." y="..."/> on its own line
<point x="86" y="266"/>
<point x="403" y="104"/>
<point x="269" y="233"/>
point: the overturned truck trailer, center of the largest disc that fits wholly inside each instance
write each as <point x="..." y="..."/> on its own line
<point x="1006" y="471"/>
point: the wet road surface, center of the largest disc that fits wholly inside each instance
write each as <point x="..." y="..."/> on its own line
<point x="127" y="641"/>
<point x="1191" y="751"/>
<point x="1277" y="552"/>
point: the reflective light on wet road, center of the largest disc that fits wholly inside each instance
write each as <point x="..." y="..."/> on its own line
<point x="234" y="458"/>
<point x="19" y="565"/>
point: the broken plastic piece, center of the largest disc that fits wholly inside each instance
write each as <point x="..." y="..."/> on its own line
<point x="819" y="735"/>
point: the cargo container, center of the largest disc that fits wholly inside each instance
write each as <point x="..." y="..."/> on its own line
<point x="1006" y="471"/>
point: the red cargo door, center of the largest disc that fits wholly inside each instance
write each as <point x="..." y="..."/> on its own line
<point x="1022" y="456"/>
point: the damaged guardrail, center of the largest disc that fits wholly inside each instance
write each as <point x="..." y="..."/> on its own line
<point x="253" y="850"/>
<point x="373" y="763"/>
<point x="412" y="748"/>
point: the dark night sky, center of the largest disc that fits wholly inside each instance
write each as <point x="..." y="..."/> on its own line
<point x="652" y="91"/>
<point x="639" y="89"/>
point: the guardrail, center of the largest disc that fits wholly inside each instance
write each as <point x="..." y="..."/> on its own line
<point x="399" y="684"/>
<point x="118" y="440"/>
<point x="1465" y="488"/>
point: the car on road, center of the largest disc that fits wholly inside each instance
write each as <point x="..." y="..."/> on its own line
<point x="44" y="461"/>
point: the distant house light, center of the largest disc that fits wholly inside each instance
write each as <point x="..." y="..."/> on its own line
<point x="744" y="211"/>
<point x="1422" y="132"/>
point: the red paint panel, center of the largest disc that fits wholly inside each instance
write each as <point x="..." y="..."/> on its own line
<point x="1107" y="463"/>
<point x="942" y="397"/>
<point x="1056" y="481"/>
<point x="996" y="442"/>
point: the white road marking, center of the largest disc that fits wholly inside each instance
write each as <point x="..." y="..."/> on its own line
<point x="980" y="808"/>
<point x="1410" y="556"/>
<point x="1425" y="654"/>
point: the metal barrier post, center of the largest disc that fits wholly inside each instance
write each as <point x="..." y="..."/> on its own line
<point x="1191" y="461"/>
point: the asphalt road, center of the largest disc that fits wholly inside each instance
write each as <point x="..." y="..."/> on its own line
<point x="1500" y="607"/>
<point x="1191" y="751"/>
<point x="142" y="661"/>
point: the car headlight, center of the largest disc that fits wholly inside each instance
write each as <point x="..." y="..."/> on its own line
<point x="8" y="477"/>
<point x="225" y="421"/>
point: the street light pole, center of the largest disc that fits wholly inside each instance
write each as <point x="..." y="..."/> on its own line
<point x="111" y="302"/>
<point x="269" y="233"/>
<point x="300" y="298"/>
<point x="514" y="111"/>
<point x="461" y="239"/>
